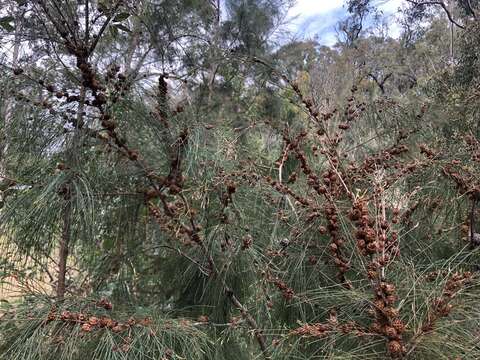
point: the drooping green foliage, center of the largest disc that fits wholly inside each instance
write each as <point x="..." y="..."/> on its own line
<point x="179" y="181"/>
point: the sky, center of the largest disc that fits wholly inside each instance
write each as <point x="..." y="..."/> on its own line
<point x="311" y="18"/>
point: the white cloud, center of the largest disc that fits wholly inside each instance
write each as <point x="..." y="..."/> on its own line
<point x="389" y="6"/>
<point x="318" y="17"/>
<point x="303" y="15"/>
<point x="314" y="7"/>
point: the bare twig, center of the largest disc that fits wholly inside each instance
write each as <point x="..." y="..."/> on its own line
<point x="444" y="7"/>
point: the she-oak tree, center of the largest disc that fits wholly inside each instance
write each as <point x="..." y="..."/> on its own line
<point x="186" y="194"/>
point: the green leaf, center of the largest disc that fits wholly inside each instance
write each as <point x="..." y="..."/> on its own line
<point x="114" y="31"/>
<point x="108" y="244"/>
<point x="123" y="28"/>
<point x="102" y="6"/>
<point x="5" y="23"/>
<point x="121" y="17"/>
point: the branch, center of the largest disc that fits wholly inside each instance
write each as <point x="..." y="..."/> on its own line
<point x="381" y="84"/>
<point x="104" y="27"/>
<point x="444" y="7"/>
<point x="87" y="21"/>
<point x="251" y="321"/>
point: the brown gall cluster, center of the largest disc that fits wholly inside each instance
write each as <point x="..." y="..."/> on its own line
<point x="441" y="306"/>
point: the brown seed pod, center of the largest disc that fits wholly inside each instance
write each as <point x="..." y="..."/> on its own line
<point x="108" y="124"/>
<point x="174" y="189"/>
<point x="399" y="325"/>
<point x="93" y="321"/>
<point x="104" y="303"/>
<point x="390" y="312"/>
<point x="86" y="327"/>
<point x="118" y="328"/>
<point x="372" y="247"/>
<point x="133" y="155"/>
<point x="376" y="327"/>
<point x="391" y="299"/>
<point x="378" y="304"/>
<point x="52" y="315"/>
<point x="389" y="288"/>
<point x="391" y="332"/>
<point x="65" y="315"/>
<point x="395" y="348"/>
<point x="107" y="322"/>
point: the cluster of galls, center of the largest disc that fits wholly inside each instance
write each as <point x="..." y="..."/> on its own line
<point x="89" y="323"/>
<point x="312" y="179"/>
<point x="383" y="159"/>
<point x="112" y="73"/>
<point x="336" y="241"/>
<point x="376" y="246"/>
<point x="320" y="330"/>
<point x="330" y="190"/>
<point x="227" y="197"/>
<point x="163" y="221"/>
<point x="367" y="241"/>
<point x="329" y="115"/>
<point x="474" y="147"/>
<point x="307" y="102"/>
<point x="247" y="242"/>
<point x="425" y="150"/>
<point x="466" y="183"/>
<point x="287" y="292"/>
<point x="91" y="82"/>
<point x="387" y="322"/>
<point x="285" y="190"/>
<point x="352" y="111"/>
<point x="441" y="306"/>
<point x="312" y="330"/>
